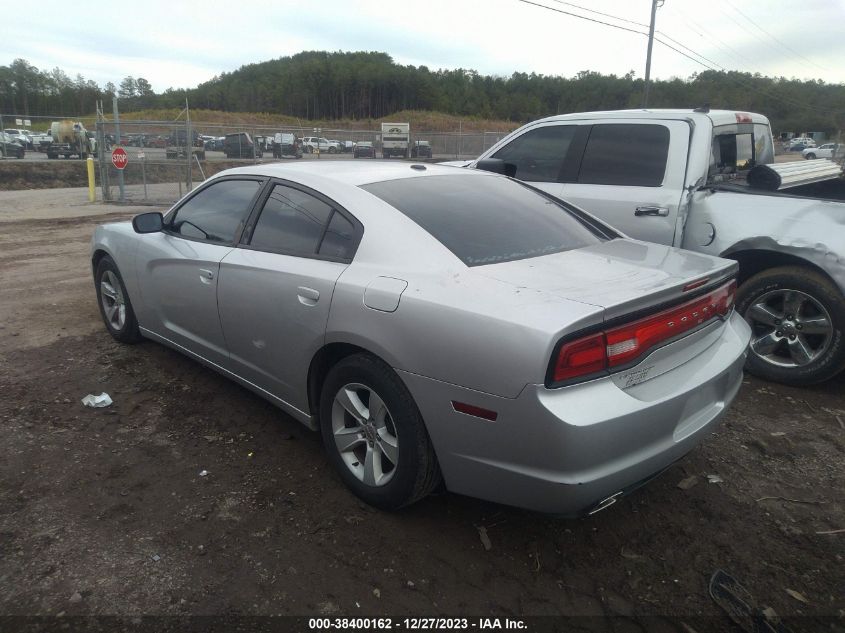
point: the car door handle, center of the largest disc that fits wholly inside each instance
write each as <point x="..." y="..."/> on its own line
<point x="307" y="296"/>
<point x="206" y="275"/>
<point x="651" y="210"/>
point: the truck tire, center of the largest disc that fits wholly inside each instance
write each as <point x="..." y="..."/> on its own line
<point x="810" y="156"/>
<point x="797" y="319"/>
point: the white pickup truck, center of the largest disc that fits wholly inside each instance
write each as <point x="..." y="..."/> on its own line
<point x="681" y="177"/>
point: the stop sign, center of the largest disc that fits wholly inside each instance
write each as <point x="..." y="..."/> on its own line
<point x="119" y="158"/>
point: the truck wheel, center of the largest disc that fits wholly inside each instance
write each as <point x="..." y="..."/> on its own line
<point x="374" y="434"/>
<point x="797" y="319"/>
<point x="811" y="156"/>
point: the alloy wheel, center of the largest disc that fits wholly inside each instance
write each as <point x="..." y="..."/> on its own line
<point x="364" y="434"/>
<point x="114" y="304"/>
<point x="790" y="328"/>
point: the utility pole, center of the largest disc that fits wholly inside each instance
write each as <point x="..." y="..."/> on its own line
<point x="654" y="5"/>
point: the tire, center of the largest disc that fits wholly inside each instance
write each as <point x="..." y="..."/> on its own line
<point x="400" y="429"/>
<point x="783" y="349"/>
<point x="21" y="154"/>
<point x="123" y="329"/>
<point x="332" y="150"/>
<point x="811" y="156"/>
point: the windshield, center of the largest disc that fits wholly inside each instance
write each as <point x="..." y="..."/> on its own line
<point x="485" y="221"/>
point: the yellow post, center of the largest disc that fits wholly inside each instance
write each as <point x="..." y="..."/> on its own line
<point x="92" y="190"/>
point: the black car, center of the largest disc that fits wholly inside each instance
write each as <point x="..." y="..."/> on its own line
<point x="364" y="149"/>
<point x="421" y="149"/>
<point x="241" y="145"/>
<point x="11" y="147"/>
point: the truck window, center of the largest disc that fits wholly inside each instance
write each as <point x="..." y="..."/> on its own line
<point x="538" y="154"/>
<point x="625" y="154"/>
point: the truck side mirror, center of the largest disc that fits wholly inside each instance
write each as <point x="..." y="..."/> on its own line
<point x="497" y="166"/>
<point x="151" y="222"/>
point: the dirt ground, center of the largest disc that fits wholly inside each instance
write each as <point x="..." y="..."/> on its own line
<point x="105" y="512"/>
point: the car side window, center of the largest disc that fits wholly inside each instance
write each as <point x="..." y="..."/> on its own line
<point x="216" y="213"/>
<point x="625" y="154"/>
<point x="291" y="221"/>
<point x="339" y="240"/>
<point x="539" y="153"/>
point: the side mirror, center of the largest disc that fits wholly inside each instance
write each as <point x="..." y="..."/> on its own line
<point x="497" y="166"/>
<point x="148" y="222"/>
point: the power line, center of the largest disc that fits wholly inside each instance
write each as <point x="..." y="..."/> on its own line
<point x="783" y="44"/>
<point x="583" y="17"/>
<point x="680" y="52"/>
<point x="607" y="15"/>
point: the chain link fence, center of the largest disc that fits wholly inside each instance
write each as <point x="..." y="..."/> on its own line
<point x="166" y="159"/>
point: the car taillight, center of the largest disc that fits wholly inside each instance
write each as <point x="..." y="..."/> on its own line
<point x="622" y="346"/>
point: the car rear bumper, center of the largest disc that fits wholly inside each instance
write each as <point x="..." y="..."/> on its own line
<point x="563" y="451"/>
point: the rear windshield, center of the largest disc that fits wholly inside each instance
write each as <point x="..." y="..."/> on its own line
<point x="485" y="220"/>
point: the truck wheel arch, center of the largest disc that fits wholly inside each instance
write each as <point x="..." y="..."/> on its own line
<point x="753" y="261"/>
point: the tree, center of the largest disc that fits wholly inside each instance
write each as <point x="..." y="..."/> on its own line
<point x="128" y="88"/>
<point x="144" y="87"/>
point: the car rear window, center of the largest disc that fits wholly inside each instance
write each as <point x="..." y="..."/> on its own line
<point x="485" y="220"/>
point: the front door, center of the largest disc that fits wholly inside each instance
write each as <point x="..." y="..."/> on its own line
<point x="178" y="268"/>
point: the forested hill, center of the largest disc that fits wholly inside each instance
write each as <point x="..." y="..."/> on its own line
<point x="323" y="85"/>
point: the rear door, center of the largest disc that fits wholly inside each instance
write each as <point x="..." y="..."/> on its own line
<point x="631" y="175"/>
<point x="276" y="287"/>
<point x="178" y="268"/>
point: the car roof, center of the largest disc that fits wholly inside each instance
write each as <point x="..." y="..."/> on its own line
<point x="351" y="173"/>
<point x="718" y="117"/>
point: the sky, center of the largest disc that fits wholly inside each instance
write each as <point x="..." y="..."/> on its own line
<point x="181" y="43"/>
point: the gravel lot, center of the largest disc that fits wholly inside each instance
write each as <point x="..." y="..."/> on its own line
<point x="104" y="511"/>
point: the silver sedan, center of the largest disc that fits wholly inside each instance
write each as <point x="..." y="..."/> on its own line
<point x="437" y="326"/>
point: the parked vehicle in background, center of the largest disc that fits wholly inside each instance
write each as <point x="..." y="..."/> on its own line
<point x="364" y="149"/>
<point x="395" y="139"/>
<point x="10" y="146"/>
<point x="310" y="144"/>
<point x="800" y="143"/>
<point x="822" y="151"/>
<point x="421" y="149"/>
<point x="347" y="147"/>
<point x="680" y="177"/>
<point x="24" y="137"/>
<point x="286" y="144"/>
<point x="157" y="141"/>
<point x="40" y="140"/>
<point x="241" y="145"/>
<point x="70" y="138"/>
<point x="553" y="365"/>
<point x="178" y="146"/>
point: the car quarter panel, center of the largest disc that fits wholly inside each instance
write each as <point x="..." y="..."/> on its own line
<point x="457" y="327"/>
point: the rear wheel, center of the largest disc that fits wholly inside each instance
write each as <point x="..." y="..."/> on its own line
<point x="115" y="307"/>
<point x="797" y="317"/>
<point x="374" y="434"/>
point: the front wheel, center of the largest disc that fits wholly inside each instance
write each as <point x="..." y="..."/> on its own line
<point x="797" y="318"/>
<point x="374" y="434"/>
<point x="115" y="307"/>
<point x="811" y="156"/>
